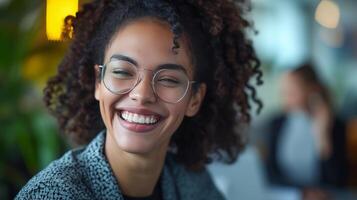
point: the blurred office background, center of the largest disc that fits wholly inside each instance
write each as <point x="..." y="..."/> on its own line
<point x="290" y="33"/>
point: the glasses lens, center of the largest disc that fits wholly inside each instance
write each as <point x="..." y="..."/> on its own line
<point x="171" y="85"/>
<point x="120" y="76"/>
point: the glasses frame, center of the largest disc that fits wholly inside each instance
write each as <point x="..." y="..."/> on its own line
<point x="139" y="79"/>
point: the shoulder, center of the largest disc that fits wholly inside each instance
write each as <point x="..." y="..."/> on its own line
<point x="61" y="179"/>
<point x="192" y="184"/>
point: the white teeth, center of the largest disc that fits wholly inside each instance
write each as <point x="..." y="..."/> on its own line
<point x="136" y="118"/>
<point x="153" y="119"/>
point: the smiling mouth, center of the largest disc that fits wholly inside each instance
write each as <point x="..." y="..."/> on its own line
<point x="139" y="118"/>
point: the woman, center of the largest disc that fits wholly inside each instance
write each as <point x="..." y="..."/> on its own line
<point x="155" y="86"/>
<point x="306" y="142"/>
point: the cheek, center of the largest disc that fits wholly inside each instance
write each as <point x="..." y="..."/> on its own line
<point x="107" y="102"/>
<point x="177" y="111"/>
<point x="299" y="96"/>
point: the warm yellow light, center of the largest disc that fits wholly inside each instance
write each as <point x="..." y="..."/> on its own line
<point x="328" y="14"/>
<point x="56" y="12"/>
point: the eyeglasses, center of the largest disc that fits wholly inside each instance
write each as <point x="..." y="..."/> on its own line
<point x="120" y="77"/>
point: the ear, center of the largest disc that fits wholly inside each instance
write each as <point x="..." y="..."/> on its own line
<point x="97" y="82"/>
<point x="196" y="101"/>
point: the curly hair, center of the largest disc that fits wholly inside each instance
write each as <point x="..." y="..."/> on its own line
<point x="223" y="58"/>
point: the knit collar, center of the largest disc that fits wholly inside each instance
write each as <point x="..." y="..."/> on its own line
<point x="100" y="177"/>
<point x="98" y="173"/>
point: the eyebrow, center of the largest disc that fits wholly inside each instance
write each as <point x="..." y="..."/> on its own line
<point x="160" y="67"/>
<point x="125" y="58"/>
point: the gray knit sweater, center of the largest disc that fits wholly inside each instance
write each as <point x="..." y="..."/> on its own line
<point x="86" y="174"/>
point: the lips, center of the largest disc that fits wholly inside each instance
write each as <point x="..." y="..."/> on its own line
<point x="138" y="120"/>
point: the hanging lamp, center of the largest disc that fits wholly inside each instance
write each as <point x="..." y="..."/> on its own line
<point x="57" y="12"/>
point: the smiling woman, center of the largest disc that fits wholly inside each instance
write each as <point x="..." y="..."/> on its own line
<point x="157" y="88"/>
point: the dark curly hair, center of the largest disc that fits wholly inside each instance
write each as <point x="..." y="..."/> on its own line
<point x="223" y="57"/>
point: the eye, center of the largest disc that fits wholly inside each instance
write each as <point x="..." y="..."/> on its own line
<point x="168" y="82"/>
<point x="122" y="74"/>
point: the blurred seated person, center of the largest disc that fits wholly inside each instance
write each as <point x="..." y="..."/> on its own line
<point x="306" y="142"/>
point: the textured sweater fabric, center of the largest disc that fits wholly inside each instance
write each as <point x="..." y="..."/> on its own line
<point x="85" y="174"/>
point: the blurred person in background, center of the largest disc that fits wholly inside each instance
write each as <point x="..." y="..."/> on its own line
<point x="306" y="142"/>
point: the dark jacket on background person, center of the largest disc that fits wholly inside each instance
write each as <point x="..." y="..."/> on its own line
<point x="333" y="171"/>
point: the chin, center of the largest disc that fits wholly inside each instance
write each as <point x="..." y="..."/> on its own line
<point x="136" y="147"/>
<point x="136" y="150"/>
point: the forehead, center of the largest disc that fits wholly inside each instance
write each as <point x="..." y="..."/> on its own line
<point x="149" y="42"/>
<point x="292" y="81"/>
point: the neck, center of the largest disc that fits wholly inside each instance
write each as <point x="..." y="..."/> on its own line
<point x="137" y="174"/>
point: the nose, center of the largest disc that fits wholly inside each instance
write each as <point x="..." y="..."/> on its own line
<point x="143" y="91"/>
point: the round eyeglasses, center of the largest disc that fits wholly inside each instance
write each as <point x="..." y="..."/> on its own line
<point x="120" y="77"/>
